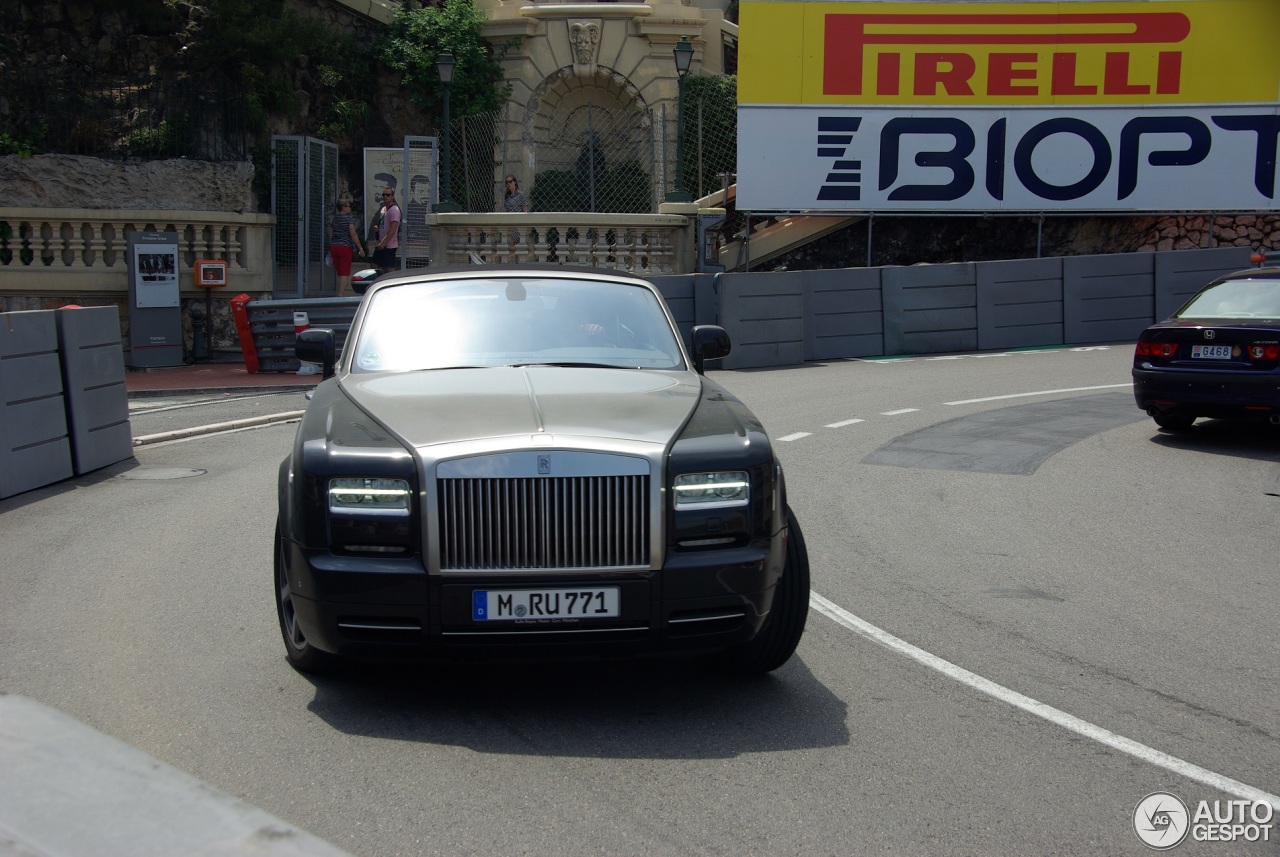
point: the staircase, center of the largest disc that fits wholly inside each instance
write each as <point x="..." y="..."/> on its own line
<point x="779" y="237"/>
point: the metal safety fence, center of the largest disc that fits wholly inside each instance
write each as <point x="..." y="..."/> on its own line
<point x="61" y="109"/>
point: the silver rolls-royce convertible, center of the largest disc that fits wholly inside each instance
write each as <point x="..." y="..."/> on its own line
<point x="528" y="463"/>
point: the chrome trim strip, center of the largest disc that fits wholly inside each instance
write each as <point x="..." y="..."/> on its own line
<point x="529" y="633"/>
<point x="524" y="463"/>
<point x="360" y="627"/>
<point x="734" y="614"/>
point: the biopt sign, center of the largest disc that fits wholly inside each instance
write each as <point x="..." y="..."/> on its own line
<point x="1010" y="107"/>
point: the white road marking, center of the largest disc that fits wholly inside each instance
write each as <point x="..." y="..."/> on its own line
<point x="844" y="423"/>
<point x="796" y="436"/>
<point x="1037" y="393"/>
<point x="1046" y="712"/>
<point x="899" y="411"/>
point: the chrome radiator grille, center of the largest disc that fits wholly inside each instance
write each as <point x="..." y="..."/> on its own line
<point x="580" y="522"/>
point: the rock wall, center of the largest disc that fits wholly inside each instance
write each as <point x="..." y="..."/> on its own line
<point x="75" y="181"/>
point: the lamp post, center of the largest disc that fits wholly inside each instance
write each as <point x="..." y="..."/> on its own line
<point x="684" y="58"/>
<point x="444" y="68"/>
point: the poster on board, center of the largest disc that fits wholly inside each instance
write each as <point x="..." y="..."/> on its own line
<point x="155" y="271"/>
<point x="385" y="167"/>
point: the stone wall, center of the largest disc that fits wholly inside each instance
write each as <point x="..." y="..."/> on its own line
<point x="74" y="181"/>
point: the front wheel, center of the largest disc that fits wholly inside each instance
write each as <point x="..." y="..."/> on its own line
<point x="301" y="654"/>
<point x="777" y="640"/>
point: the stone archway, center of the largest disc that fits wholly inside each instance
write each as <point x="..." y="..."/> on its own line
<point x="590" y="141"/>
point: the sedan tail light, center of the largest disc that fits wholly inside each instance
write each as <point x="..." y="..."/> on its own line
<point x="1262" y="351"/>
<point x="1155" y="349"/>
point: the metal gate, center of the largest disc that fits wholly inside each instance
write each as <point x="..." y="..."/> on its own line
<point x="304" y="191"/>
<point x="419" y="200"/>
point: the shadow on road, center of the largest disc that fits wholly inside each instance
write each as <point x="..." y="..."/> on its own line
<point x="1252" y="439"/>
<point x="631" y="710"/>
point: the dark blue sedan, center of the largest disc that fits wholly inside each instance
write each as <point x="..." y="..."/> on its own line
<point x="1218" y="356"/>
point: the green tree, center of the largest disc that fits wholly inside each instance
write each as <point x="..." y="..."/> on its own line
<point x="414" y="40"/>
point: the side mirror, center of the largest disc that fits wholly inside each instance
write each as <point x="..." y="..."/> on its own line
<point x="362" y="280"/>
<point x="710" y="342"/>
<point x="316" y="345"/>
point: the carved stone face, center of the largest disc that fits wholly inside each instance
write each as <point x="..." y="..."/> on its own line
<point x="585" y="37"/>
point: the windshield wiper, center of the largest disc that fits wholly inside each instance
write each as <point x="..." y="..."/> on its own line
<point x="574" y="364"/>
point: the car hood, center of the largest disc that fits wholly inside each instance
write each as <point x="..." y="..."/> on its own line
<point x="451" y="405"/>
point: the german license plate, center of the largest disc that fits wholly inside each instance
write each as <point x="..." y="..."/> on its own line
<point x="1211" y="352"/>
<point x="497" y="605"/>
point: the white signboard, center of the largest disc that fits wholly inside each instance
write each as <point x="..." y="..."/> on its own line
<point x="1008" y="159"/>
<point x="155" y="271"/>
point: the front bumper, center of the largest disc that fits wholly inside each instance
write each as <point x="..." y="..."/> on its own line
<point x="1205" y="392"/>
<point x="384" y="609"/>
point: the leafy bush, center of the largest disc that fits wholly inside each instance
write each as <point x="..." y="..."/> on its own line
<point x="556" y="190"/>
<point x="626" y="189"/>
<point x="710" y="124"/>
<point x="164" y="139"/>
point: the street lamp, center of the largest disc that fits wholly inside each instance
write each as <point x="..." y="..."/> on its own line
<point x="444" y="68"/>
<point x="684" y="58"/>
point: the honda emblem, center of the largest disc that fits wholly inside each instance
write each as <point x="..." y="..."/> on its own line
<point x="1209" y="334"/>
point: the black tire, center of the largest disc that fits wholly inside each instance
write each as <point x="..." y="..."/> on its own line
<point x="1174" y="420"/>
<point x="302" y="656"/>
<point x="777" y="640"/>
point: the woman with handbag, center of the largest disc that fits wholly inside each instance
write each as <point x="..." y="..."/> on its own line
<point x="343" y="241"/>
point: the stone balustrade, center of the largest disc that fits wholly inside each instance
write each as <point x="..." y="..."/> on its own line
<point x="641" y="244"/>
<point x="68" y="252"/>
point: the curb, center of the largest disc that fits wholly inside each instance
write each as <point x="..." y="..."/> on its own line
<point x="214" y="428"/>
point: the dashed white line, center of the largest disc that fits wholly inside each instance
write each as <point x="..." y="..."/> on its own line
<point x="796" y="436"/>
<point x="899" y="411"/>
<point x="1046" y="712"/>
<point x="843" y="423"/>
<point x="1037" y="393"/>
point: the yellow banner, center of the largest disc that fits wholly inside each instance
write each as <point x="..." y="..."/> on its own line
<point x="964" y="53"/>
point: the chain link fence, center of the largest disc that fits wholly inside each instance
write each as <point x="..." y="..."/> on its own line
<point x="63" y="109"/>
<point x="619" y="161"/>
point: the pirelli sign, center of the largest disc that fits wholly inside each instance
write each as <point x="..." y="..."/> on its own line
<point x="1165" y="105"/>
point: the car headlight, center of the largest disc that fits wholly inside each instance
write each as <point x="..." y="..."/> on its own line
<point x="364" y="496"/>
<point x="711" y="490"/>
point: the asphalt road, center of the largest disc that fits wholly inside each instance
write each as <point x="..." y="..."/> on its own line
<point x="1031" y="610"/>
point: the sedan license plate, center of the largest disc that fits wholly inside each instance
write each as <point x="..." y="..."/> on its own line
<point x="1211" y="352"/>
<point x="496" y="605"/>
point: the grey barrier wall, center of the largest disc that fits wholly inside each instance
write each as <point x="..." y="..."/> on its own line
<point x="34" y="447"/>
<point x="781" y="318"/>
<point x="64" y="409"/>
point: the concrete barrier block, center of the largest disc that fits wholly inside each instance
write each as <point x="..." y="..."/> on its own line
<point x="35" y="449"/>
<point x="96" y="397"/>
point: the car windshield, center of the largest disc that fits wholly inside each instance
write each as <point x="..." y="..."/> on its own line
<point x="1243" y="298"/>
<point x="514" y="321"/>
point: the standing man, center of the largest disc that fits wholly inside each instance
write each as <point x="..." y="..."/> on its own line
<point x="385" y="238"/>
